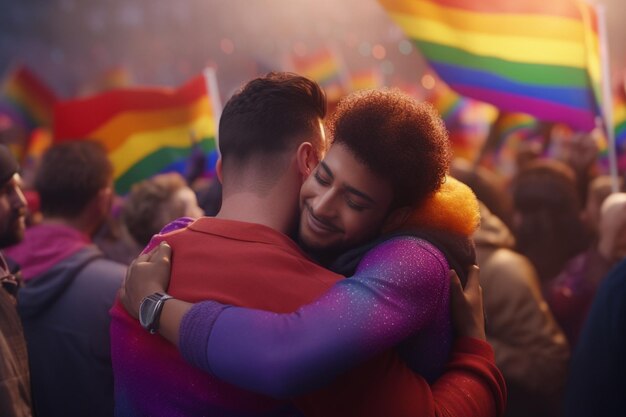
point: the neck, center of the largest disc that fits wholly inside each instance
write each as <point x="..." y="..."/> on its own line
<point x="266" y="210"/>
<point x="249" y="195"/>
<point x="80" y="223"/>
<point x="276" y="207"/>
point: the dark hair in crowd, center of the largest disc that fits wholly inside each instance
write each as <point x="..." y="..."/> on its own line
<point x="397" y="138"/>
<point x="70" y="175"/>
<point x="549" y="229"/>
<point x="268" y="114"/>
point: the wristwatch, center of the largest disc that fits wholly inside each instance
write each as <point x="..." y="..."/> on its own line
<point x="150" y="311"/>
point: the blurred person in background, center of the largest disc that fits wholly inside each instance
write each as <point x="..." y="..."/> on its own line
<point x="15" y="395"/>
<point x="153" y="203"/>
<point x="531" y="349"/>
<point x="596" y="383"/>
<point x="579" y="151"/>
<point x="612" y="230"/>
<point x="150" y="205"/>
<point x="489" y="187"/>
<point x="599" y="189"/>
<point x="549" y="229"/>
<point x="69" y="286"/>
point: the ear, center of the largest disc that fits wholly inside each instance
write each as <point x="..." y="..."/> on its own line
<point x="104" y="199"/>
<point x="218" y="169"/>
<point x="306" y="158"/>
<point x="397" y="218"/>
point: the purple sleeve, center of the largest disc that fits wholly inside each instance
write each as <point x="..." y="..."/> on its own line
<point x="396" y="290"/>
<point x="196" y="325"/>
<point x="174" y="225"/>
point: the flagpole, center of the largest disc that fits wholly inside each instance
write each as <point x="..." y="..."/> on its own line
<point x="210" y="78"/>
<point x="607" y="102"/>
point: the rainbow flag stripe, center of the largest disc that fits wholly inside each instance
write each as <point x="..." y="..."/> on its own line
<point x="533" y="56"/>
<point x="366" y="79"/>
<point x="26" y="99"/>
<point x="145" y="131"/>
<point x="619" y="117"/>
<point x="447" y="102"/>
<point x="325" y="68"/>
<point x="515" y="125"/>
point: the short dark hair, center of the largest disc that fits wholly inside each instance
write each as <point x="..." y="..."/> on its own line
<point x="70" y="175"/>
<point x="268" y="114"/>
<point x="398" y="138"/>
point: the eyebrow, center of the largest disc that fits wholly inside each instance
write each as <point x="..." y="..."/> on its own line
<point x="348" y="188"/>
<point x="327" y="169"/>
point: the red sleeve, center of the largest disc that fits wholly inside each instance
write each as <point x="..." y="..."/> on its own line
<point x="383" y="386"/>
<point x="472" y="386"/>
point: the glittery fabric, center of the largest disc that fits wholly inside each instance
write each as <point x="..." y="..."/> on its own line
<point x="399" y="294"/>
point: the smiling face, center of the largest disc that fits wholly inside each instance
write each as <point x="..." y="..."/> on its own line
<point x="342" y="203"/>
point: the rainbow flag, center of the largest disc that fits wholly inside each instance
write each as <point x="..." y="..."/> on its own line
<point x="447" y="102"/>
<point x="26" y="100"/>
<point x="366" y="79"/>
<point x="324" y="67"/>
<point x="508" y="134"/>
<point x="145" y="131"/>
<point x="39" y="140"/>
<point x="519" y="126"/>
<point x="471" y="129"/>
<point x="619" y="117"/>
<point x="533" y="56"/>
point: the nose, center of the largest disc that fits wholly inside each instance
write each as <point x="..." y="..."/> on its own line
<point x="18" y="201"/>
<point x="324" y="205"/>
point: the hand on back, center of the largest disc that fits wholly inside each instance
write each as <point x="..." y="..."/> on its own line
<point x="147" y="274"/>
<point x="468" y="316"/>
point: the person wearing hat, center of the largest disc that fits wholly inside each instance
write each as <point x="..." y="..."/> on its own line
<point x="15" y="396"/>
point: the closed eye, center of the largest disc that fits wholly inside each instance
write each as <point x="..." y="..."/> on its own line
<point x="320" y="179"/>
<point x="354" y="205"/>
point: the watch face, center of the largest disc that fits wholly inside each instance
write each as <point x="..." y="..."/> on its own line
<point x="146" y="311"/>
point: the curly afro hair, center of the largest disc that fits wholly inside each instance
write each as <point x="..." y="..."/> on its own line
<point x="395" y="136"/>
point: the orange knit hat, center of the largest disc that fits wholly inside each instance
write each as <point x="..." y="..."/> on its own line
<point x="454" y="208"/>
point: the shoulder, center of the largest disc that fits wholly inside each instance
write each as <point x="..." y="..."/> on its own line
<point x="168" y="231"/>
<point x="411" y="249"/>
<point x="104" y="273"/>
<point x="411" y="257"/>
<point x="612" y="291"/>
<point x="508" y="267"/>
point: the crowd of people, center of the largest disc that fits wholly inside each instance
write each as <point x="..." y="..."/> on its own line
<point x="329" y="272"/>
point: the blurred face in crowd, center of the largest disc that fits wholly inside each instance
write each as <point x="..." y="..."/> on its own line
<point x="612" y="229"/>
<point x="620" y="244"/>
<point x="343" y="203"/>
<point x="186" y="200"/>
<point x="12" y="212"/>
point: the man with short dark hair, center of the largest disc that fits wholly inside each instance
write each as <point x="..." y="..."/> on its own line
<point x="271" y="138"/>
<point x="69" y="285"/>
<point x="15" y="399"/>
